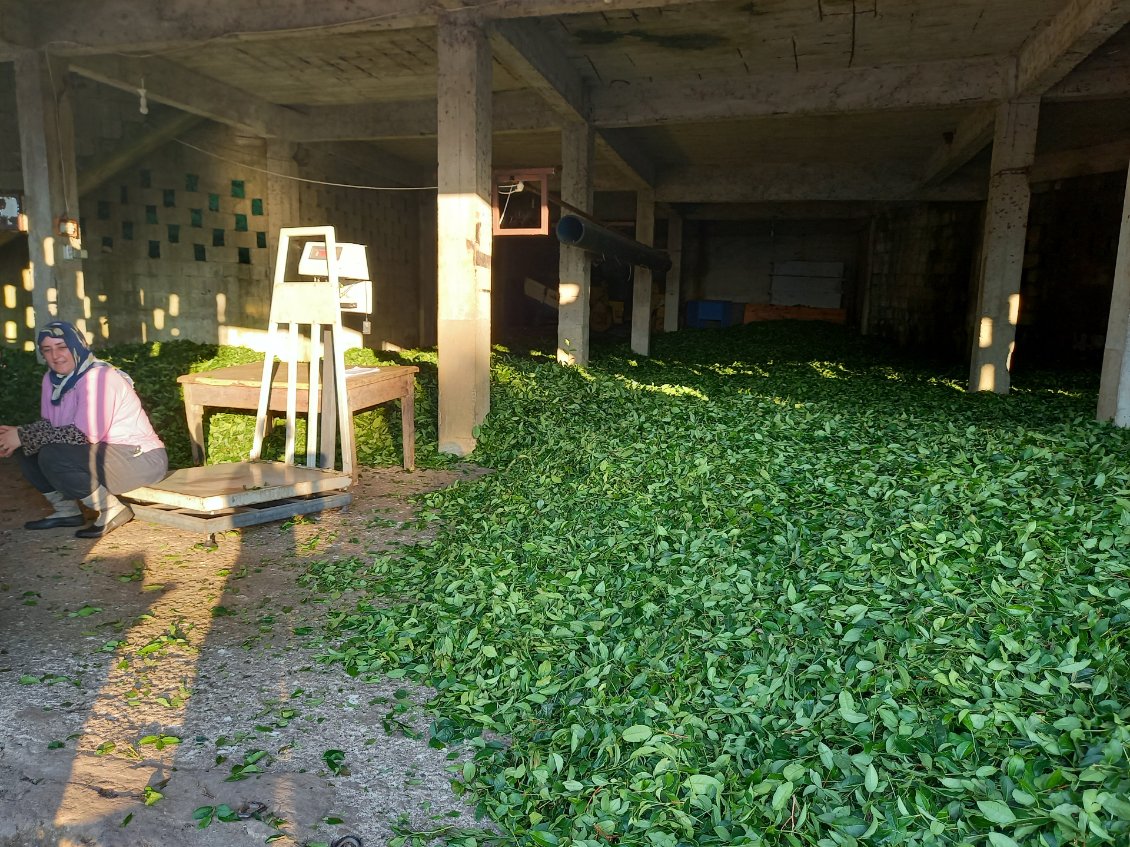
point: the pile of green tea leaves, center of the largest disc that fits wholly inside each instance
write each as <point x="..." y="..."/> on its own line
<point x="770" y="586"/>
<point x="154" y="368"/>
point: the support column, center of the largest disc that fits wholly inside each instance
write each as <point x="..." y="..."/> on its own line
<point x="47" y="154"/>
<point x="574" y="268"/>
<point x="464" y="240"/>
<point x="671" y="294"/>
<point x="1114" y="390"/>
<point x="427" y="272"/>
<point x="641" y="290"/>
<point x="865" y="278"/>
<point x="1002" y="256"/>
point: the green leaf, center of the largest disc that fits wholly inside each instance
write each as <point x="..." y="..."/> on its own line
<point x="996" y="812"/>
<point x="1000" y="840"/>
<point x="871" y="779"/>
<point x="636" y="733"/>
<point x="781" y="795"/>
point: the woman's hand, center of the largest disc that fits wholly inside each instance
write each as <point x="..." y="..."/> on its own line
<point x="9" y="440"/>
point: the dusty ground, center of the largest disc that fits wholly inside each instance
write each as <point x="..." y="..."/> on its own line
<point x="112" y="650"/>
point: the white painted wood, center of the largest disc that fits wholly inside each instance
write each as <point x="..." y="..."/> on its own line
<point x="1002" y="259"/>
<point x="641" y="276"/>
<point x="223" y="520"/>
<point x="574" y="267"/>
<point x="1114" y="389"/>
<point x="464" y="237"/>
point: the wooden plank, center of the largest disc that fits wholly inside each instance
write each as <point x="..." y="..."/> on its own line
<point x="237" y="519"/>
<point x="216" y="487"/>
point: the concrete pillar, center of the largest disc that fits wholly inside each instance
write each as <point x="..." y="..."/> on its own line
<point x="1114" y="390"/>
<point x="641" y="290"/>
<point x="671" y="294"/>
<point x="865" y="275"/>
<point x="464" y="239"/>
<point x="574" y="268"/>
<point x="47" y="155"/>
<point x="427" y="272"/>
<point x="1002" y="253"/>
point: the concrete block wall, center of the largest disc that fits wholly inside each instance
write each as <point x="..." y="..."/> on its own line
<point x="387" y="222"/>
<point x="733" y="260"/>
<point x="11" y="177"/>
<point x="921" y="272"/>
<point x="179" y="241"/>
<point x="15" y="297"/>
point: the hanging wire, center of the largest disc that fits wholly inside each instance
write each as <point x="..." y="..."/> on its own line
<point x="304" y="179"/>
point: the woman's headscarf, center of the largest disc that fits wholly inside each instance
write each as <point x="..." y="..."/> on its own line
<point x="84" y="359"/>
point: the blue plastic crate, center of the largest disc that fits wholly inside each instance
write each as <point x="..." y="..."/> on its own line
<point x="703" y="314"/>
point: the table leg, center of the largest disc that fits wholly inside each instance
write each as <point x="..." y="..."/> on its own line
<point x="194" y="417"/>
<point x="408" y="423"/>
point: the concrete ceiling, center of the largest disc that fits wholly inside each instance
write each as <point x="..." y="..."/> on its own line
<point x="707" y="101"/>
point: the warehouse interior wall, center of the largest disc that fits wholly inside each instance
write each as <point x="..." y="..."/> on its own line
<point x="178" y="242"/>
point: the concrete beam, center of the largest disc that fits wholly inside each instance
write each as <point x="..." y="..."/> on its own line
<point x="1066" y="164"/>
<point x="190" y="92"/>
<point x="805" y="210"/>
<point x="77" y="27"/>
<point x="514" y="111"/>
<point x="771" y="183"/>
<point x="368" y="162"/>
<point x="1043" y="61"/>
<point x="1069" y="38"/>
<point x="969" y="138"/>
<point x="15" y="29"/>
<point x="156" y="136"/>
<point x="530" y="55"/>
<point x="1103" y="81"/>
<point x="923" y="85"/>
<point x="617" y="146"/>
<point x="524" y="49"/>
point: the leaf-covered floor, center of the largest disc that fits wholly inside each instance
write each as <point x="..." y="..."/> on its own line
<point x="774" y="586"/>
<point x="771" y="585"/>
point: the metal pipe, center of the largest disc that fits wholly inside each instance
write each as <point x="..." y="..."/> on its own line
<point x="583" y="233"/>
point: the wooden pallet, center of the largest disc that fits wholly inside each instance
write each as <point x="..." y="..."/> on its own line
<point x="217" y="498"/>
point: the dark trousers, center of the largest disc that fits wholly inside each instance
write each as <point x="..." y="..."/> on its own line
<point x="76" y="470"/>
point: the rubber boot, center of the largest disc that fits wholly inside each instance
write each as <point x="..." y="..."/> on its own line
<point x="112" y="513"/>
<point x="67" y="513"/>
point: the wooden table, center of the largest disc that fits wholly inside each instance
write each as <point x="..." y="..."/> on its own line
<point x="237" y="387"/>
